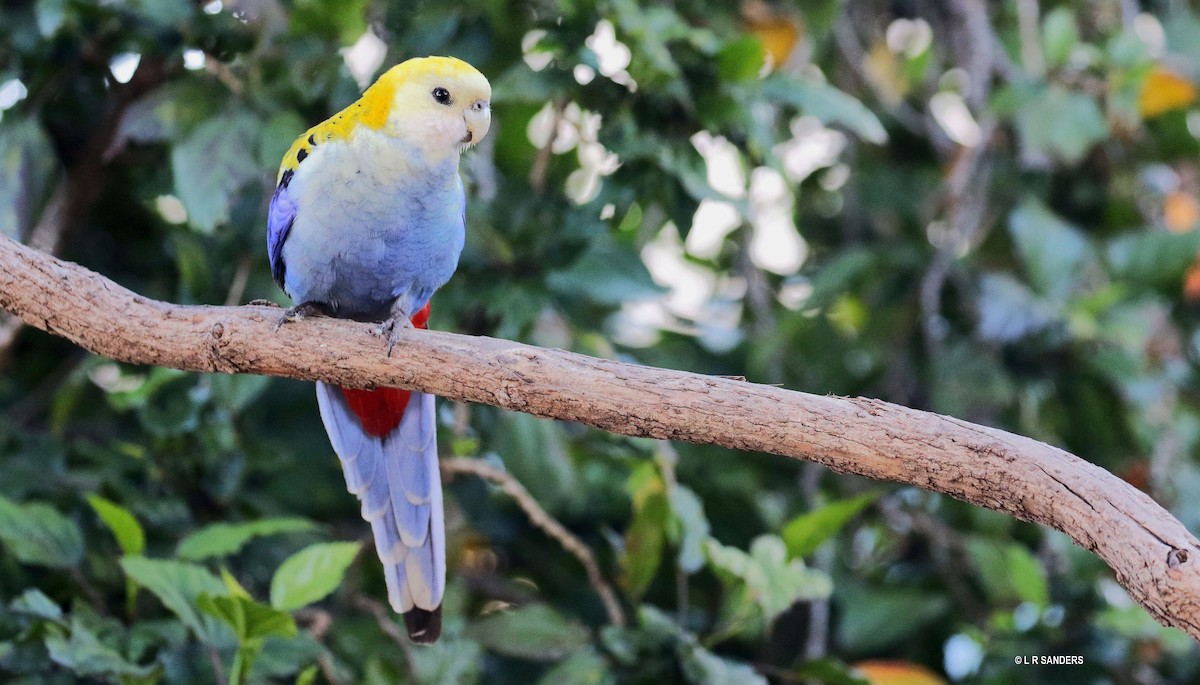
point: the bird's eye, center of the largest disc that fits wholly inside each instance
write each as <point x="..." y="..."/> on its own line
<point x="442" y="95"/>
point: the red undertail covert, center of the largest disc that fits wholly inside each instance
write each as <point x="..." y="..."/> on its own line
<point x="380" y="410"/>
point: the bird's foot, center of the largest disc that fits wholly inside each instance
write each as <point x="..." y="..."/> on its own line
<point x="302" y="310"/>
<point x="391" y="329"/>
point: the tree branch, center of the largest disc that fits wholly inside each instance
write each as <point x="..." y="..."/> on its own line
<point x="1153" y="556"/>
<point x="547" y="523"/>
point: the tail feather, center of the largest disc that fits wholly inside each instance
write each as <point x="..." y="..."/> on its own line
<point x="424" y="626"/>
<point x="397" y="479"/>
<point x="350" y="442"/>
<point x="362" y="464"/>
<point x="410" y="501"/>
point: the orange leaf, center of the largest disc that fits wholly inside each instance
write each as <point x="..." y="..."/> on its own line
<point x="777" y="31"/>
<point x="1181" y="211"/>
<point x="896" y="673"/>
<point x="1163" y="91"/>
<point x="1191" y="283"/>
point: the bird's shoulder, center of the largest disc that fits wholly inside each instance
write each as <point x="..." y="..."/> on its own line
<point x="370" y="111"/>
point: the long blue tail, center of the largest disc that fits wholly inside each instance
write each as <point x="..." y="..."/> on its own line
<point x="396" y="477"/>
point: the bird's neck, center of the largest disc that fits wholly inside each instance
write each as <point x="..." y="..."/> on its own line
<point x="433" y="166"/>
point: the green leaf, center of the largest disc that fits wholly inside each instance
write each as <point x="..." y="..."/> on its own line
<point x="686" y="165"/>
<point x="1132" y="622"/>
<point x="51" y="15"/>
<point x="1060" y="35"/>
<point x="236" y="391"/>
<point x="774" y="582"/>
<point x="1061" y="123"/>
<point x="1183" y="32"/>
<point x="535" y="450"/>
<point x="1009" y="311"/>
<point x="168" y="112"/>
<point x="1053" y="251"/>
<point x="178" y="585"/>
<point x="844" y="272"/>
<point x="134" y="391"/>
<point x="212" y="163"/>
<point x="165" y="13"/>
<point x="826" y="103"/>
<point x="33" y="602"/>
<point x="606" y="273"/>
<point x="1156" y="259"/>
<point x="646" y="535"/>
<point x="173" y="409"/>
<point x="308" y="676"/>
<point x="779" y="582"/>
<point x="657" y="627"/>
<point x="232" y="585"/>
<point x="805" y="533"/>
<point x="521" y="85"/>
<point x="225" y="539"/>
<point x="689" y="527"/>
<point x="311" y="574"/>
<point x="583" y="667"/>
<point x="702" y="667"/>
<point x="534" y="632"/>
<point x="620" y="644"/>
<point x="646" y="30"/>
<point x="1009" y="572"/>
<point x="277" y="137"/>
<point x="130" y="536"/>
<point x="84" y="655"/>
<point x="281" y="657"/>
<point x="966" y="379"/>
<point x="341" y="20"/>
<point x="27" y="167"/>
<point x="870" y="617"/>
<point x="1027" y="576"/>
<point x="1127" y="50"/>
<point x="37" y="534"/>
<point x="452" y="660"/>
<point x="249" y="619"/>
<point x="741" y="59"/>
<point x="827" y="671"/>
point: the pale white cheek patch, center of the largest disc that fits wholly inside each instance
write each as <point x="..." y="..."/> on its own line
<point x="441" y="132"/>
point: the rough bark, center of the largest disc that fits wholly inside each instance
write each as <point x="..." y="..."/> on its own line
<point x="1152" y="555"/>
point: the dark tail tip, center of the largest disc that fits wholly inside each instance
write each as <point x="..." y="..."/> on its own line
<point x="424" y="627"/>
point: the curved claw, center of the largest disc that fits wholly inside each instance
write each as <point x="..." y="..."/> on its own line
<point x="399" y="319"/>
<point x="392" y="328"/>
<point x="302" y="310"/>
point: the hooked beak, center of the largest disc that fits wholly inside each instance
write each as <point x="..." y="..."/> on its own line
<point x="478" y="118"/>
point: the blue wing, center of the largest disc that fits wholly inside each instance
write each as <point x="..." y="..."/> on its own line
<point x="280" y="218"/>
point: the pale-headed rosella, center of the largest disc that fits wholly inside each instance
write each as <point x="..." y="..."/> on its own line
<point x="367" y="222"/>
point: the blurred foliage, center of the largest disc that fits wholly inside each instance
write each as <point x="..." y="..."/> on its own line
<point x="984" y="209"/>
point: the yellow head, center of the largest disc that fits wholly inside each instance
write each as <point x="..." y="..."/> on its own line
<point x="442" y="104"/>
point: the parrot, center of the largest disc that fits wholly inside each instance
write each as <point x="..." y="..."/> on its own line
<point x="366" y="222"/>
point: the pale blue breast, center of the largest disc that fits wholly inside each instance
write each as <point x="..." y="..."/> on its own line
<point x="374" y="221"/>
